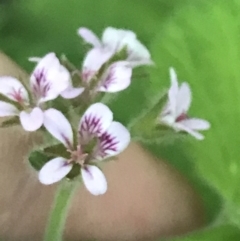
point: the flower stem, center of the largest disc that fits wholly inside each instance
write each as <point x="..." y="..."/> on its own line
<point x="58" y="215"/>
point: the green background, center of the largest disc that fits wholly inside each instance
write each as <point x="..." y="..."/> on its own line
<point x="200" y="39"/>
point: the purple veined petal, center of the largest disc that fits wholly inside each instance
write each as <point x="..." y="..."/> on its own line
<point x="54" y="171"/>
<point x="31" y="121"/>
<point x="49" y="78"/>
<point x="94" y="60"/>
<point x="59" y="127"/>
<point x="116" y="39"/>
<point x="13" y="89"/>
<point x="95" y="121"/>
<point x="113" y="141"/>
<point x="94" y="180"/>
<point x="7" y="109"/>
<point x="89" y="37"/>
<point x="181" y="127"/>
<point x="72" y="92"/>
<point x="196" y="124"/>
<point x="173" y="92"/>
<point x="184" y="99"/>
<point x="116" y="78"/>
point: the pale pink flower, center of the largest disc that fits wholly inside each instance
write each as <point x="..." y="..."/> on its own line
<point x="114" y="40"/>
<point x="97" y="131"/>
<point x="174" y="113"/>
<point x="47" y="81"/>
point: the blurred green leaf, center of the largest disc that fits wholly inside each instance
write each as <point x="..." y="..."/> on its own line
<point x="55" y="28"/>
<point x="221" y="233"/>
<point x="202" y="43"/>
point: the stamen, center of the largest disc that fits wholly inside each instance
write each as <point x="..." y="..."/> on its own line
<point x="78" y="156"/>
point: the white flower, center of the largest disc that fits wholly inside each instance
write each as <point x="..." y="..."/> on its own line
<point x="115" y="78"/>
<point x="114" y="40"/>
<point x="174" y="113"/>
<point x="47" y="81"/>
<point x="96" y="131"/>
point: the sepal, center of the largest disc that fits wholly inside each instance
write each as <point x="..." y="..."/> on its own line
<point x="38" y="158"/>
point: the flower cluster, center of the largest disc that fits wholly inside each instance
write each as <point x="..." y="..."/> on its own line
<point x="107" y="67"/>
<point x="96" y="128"/>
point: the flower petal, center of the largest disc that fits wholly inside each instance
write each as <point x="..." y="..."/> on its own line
<point x="117" y="77"/>
<point x="116" y="39"/>
<point x="94" y="180"/>
<point x="54" y="170"/>
<point x="184" y="98"/>
<point x="49" y="78"/>
<point x="58" y="126"/>
<point x="173" y="92"/>
<point x="50" y="60"/>
<point x="89" y="37"/>
<point x="196" y="124"/>
<point x="95" y="121"/>
<point x="72" y="92"/>
<point x="7" y="109"/>
<point x="181" y="127"/>
<point x="113" y="141"/>
<point x="31" y="121"/>
<point x="94" y="60"/>
<point x="136" y="50"/>
<point x="13" y="89"/>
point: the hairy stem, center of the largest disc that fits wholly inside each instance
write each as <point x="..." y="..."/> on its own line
<point x="58" y="215"/>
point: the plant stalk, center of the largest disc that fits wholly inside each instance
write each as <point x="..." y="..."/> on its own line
<point x="59" y="212"/>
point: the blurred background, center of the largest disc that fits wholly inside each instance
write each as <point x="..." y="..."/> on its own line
<point x="200" y="39"/>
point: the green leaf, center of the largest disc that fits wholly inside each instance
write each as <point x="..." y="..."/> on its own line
<point x="37" y="159"/>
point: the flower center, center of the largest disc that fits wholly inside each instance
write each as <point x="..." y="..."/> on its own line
<point x="78" y="156"/>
